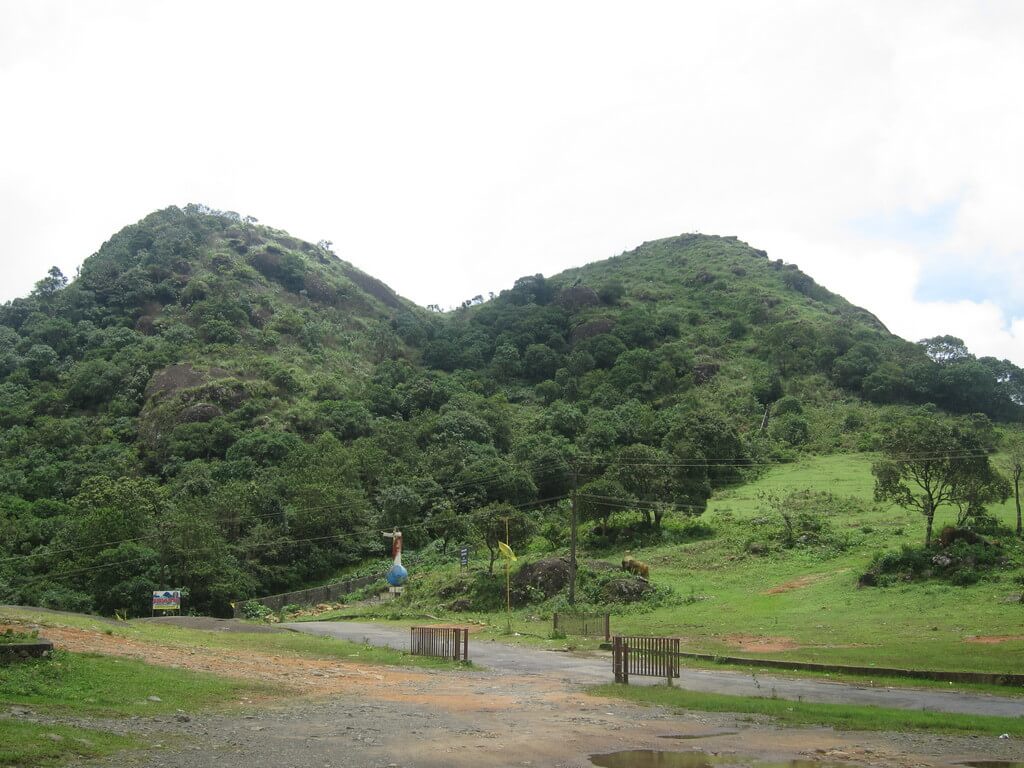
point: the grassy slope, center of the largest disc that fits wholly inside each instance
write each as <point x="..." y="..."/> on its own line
<point x="90" y="685"/>
<point x="834" y="621"/>
<point x="918" y="626"/>
<point x="38" y="745"/>
<point x="289" y="643"/>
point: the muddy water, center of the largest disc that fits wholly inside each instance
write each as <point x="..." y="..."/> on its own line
<point x="656" y="758"/>
<point x="993" y="764"/>
<point x="708" y="735"/>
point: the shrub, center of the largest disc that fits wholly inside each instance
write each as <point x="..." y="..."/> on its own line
<point x="791" y="429"/>
<point x="219" y="332"/>
<point x="788" y="404"/>
<point x="253" y="609"/>
<point x="960" y="558"/>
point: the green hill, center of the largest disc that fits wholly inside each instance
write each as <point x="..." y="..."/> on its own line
<point x="215" y="405"/>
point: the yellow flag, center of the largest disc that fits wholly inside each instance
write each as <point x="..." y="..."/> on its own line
<point x="506" y="551"/>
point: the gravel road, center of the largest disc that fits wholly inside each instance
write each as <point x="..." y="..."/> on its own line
<point x="520" y="707"/>
<point x="597" y="668"/>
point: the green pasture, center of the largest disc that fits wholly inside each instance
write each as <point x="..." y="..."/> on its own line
<point x="39" y="745"/>
<point x="722" y="591"/>
<point x="286" y="643"/>
<point x="104" y="686"/>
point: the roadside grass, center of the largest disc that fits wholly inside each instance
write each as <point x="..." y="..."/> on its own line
<point x="35" y="744"/>
<point x="105" y="686"/>
<point x="839" y="716"/>
<point x="281" y="643"/>
<point x="92" y="685"/>
<point x="817" y="612"/>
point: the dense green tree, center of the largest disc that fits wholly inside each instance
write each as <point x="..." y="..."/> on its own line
<point x="945" y="349"/>
<point x="503" y="523"/>
<point x="540" y="362"/>
<point x="506" y="363"/>
<point x="53" y="282"/>
<point x="645" y="474"/>
<point x="601" y="498"/>
<point x="929" y="463"/>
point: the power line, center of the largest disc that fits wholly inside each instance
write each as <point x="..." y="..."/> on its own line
<point x="284" y="541"/>
<point x="287" y="509"/>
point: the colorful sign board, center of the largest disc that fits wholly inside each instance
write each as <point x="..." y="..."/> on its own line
<point x="168" y="600"/>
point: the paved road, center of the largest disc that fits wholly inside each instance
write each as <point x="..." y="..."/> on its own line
<point x="597" y="668"/>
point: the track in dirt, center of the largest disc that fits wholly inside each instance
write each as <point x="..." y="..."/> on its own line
<point x="593" y="669"/>
<point x="526" y="709"/>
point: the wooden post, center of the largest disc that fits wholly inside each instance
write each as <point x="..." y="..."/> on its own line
<point x="607" y="627"/>
<point x="572" y="537"/>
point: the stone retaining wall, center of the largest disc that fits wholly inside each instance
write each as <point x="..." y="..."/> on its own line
<point x="14" y="651"/>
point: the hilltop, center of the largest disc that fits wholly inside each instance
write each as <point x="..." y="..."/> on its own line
<point x="214" y="404"/>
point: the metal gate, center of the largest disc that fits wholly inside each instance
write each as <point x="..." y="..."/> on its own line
<point x="647" y="656"/>
<point x="443" y="642"/>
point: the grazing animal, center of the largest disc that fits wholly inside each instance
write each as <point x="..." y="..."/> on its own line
<point x="631" y="565"/>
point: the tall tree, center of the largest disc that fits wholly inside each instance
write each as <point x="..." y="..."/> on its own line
<point x="1013" y="462"/>
<point x="503" y="523"/>
<point x="929" y="462"/>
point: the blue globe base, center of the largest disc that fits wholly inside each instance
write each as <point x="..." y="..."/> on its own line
<point x="397" y="575"/>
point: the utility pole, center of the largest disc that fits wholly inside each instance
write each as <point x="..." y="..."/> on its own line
<point x="572" y="538"/>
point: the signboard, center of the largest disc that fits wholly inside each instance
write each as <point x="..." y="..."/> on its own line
<point x="464" y="556"/>
<point x="169" y="600"/>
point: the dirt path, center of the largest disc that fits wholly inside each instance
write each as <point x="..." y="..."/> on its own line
<point x="596" y="668"/>
<point x="348" y="715"/>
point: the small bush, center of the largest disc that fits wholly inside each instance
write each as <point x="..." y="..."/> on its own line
<point x="253" y="609"/>
<point x="788" y="404"/>
<point x="963" y="560"/>
<point x="10" y="637"/>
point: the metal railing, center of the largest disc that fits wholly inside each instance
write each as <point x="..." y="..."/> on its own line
<point x="443" y="642"/>
<point x="645" y="656"/>
<point x="325" y="594"/>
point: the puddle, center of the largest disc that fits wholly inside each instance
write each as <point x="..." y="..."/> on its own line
<point x="992" y="764"/>
<point x="656" y="758"/>
<point x="705" y="735"/>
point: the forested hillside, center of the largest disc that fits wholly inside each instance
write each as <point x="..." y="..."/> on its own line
<point x="216" y="405"/>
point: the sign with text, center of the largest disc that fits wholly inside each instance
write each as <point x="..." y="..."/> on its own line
<point x="464" y="556"/>
<point x="169" y="600"/>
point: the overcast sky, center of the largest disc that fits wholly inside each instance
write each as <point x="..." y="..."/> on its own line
<point x="449" y="148"/>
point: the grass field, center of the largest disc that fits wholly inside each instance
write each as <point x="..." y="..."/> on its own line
<point x="103" y="686"/>
<point x="96" y="686"/>
<point x="33" y="744"/>
<point x="840" y="716"/>
<point x="289" y="643"/>
<point x="802" y="603"/>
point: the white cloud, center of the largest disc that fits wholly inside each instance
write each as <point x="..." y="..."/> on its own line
<point x="449" y="148"/>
